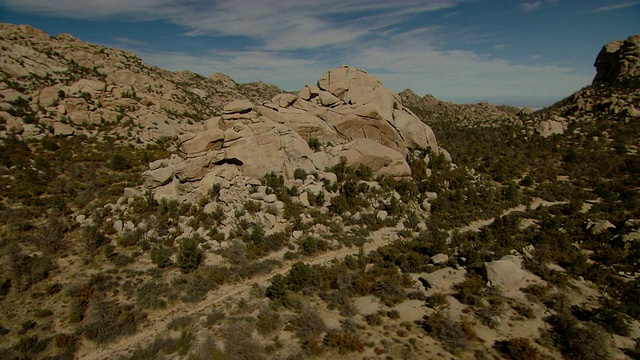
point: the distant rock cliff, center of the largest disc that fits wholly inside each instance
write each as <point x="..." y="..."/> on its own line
<point x="618" y="61"/>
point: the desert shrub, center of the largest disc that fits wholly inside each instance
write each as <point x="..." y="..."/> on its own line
<point x="240" y="344"/>
<point x="584" y="341"/>
<point x="161" y="256"/>
<point x="189" y="255"/>
<point x="28" y="347"/>
<point x="118" y="162"/>
<point x="252" y="207"/>
<point x="373" y="319"/>
<point x="268" y="321"/>
<point x="436" y="300"/>
<point x="452" y="334"/>
<point x="390" y="289"/>
<point x="469" y="291"/>
<point x="300" y="174"/>
<point x="67" y="343"/>
<point x="180" y="322"/>
<point x="28" y="270"/>
<point x="343" y="342"/>
<point x="308" y="325"/>
<point x="215" y="317"/>
<point x="94" y="238"/>
<point x="517" y="349"/>
<point x="150" y="295"/>
<point x="314" y="144"/>
<point x="108" y="320"/>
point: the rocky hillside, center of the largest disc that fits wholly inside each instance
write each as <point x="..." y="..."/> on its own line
<point x="63" y="86"/>
<point x="211" y="220"/>
<point x="436" y="112"/>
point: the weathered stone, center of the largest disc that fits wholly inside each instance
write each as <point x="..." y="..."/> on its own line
<point x="130" y="192"/>
<point x="204" y="141"/>
<point x="505" y="274"/>
<point x="238" y="106"/>
<point x="440" y="259"/>
<point x="60" y="129"/>
<point x="158" y="177"/>
<point x="304" y="199"/>
<point x="379" y="158"/>
<point x="550" y="127"/>
<point x="600" y="226"/>
<point x="284" y="100"/>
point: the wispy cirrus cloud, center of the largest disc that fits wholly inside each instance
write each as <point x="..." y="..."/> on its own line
<point x="277" y="24"/>
<point x="618" y="6"/>
<point x="292" y="42"/>
<point x="531" y="6"/>
<point x="535" y="5"/>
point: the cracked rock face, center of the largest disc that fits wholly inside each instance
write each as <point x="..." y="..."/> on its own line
<point x="618" y="60"/>
<point x="349" y="113"/>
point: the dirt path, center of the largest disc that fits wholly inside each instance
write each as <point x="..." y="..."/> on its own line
<point x="478" y="224"/>
<point x="157" y="321"/>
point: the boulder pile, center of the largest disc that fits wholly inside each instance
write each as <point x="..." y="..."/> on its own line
<point x="347" y="115"/>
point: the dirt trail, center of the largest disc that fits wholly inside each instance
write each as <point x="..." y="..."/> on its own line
<point x="157" y="321"/>
<point x="478" y="224"/>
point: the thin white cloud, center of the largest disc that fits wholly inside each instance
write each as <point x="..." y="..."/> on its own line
<point x="535" y="57"/>
<point x="531" y="6"/>
<point x="619" y="6"/>
<point x="371" y="39"/>
<point x="277" y="24"/>
<point x="400" y="62"/>
<point x="535" y="5"/>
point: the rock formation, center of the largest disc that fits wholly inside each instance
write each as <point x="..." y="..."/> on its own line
<point x="349" y="112"/>
<point x="618" y="61"/>
<point x="63" y="86"/>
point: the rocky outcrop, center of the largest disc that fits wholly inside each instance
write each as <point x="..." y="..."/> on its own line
<point x="618" y="61"/>
<point x="435" y="111"/>
<point x="60" y="84"/>
<point x="349" y="113"/>
<point x="556" y="125"/>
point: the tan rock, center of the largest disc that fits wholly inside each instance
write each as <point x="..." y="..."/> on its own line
<point x="60" y="129"/>
<point x="158" y="177"/>
<point x="92" y="87"/>
<point x="550" y="127"/>
<point x="284" y="100"/>
<point x="380" y="159"/>
<point x="204" y="141"/>
<point x="328" y="99"/>
<point x="238" y="106"/>
<point x="506" y="274"/>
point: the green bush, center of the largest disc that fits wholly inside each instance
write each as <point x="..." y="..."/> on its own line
<point x="161" y="256"/>
<point x="314" y="144"/>
<point x="343" y="342"/>
<point x="300" y="174"/>
<point x="517" y="349"/>
<point x="268" y="321"/>
<point x="189" y="255"/>
<point x="118" y="163"/>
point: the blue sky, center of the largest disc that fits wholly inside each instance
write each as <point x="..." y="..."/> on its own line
<point x="521" y="53"/>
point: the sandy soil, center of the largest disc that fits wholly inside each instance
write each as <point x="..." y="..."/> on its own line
<point x="157" y="321"/>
